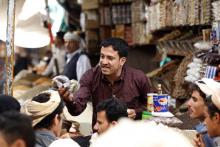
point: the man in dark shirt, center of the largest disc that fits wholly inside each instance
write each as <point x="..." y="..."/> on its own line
<point x="111" y="78"/>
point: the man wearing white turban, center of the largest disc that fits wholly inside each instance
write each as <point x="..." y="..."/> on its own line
<point x="212" y="114"/>
<point x="45" y="109"/>
<point x="77" y="62"/>
<point x="196" y="106"/>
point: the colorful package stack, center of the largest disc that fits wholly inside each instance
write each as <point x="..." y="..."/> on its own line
<point x="215" y="35"/>
<point x="138" y="11"/>
<point x="139" y="33"/>
<point x="216" y="10"/>
<point x="180" y="13"/>
<point x="210" y="72"/>
<point x="205" y="12"/>
<point x="121" y="14"/>
<point x="193" y="17"/>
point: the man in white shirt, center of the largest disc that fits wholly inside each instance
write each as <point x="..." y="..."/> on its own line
<point x="77" y="62"/>
<point x="57" y="62"/>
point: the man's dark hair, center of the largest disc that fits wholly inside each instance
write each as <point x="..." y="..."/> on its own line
<point x="60" y="35"/>
<point x="48" y="120"/>
<point x="212" y="109"/>
<point x="194" y="87"/>
<point x="117" y="44"/>
<point x="114" y="109"/>
<point x="14" y="125"/>
<point x="8" y="103"/>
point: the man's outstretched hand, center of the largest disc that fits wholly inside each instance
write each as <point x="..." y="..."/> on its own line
<point x="65" y="94"/>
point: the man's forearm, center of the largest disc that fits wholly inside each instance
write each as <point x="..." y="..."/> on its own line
<point x="76" y="107"/>
<point x="139" y="110"/>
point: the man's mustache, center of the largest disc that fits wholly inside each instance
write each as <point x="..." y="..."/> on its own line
<point x="104" y="66"/>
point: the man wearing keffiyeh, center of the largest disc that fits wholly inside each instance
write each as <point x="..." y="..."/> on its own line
<point x="212" y="114"/>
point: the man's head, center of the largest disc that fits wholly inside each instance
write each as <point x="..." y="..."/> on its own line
<point x="8" y="103"/>
<point x="72" y="41"/>
<point x="109" y="112"/>
<point x="113" y="55"/>
<point x="212" y="112"/>
<point x="196" y="104"/>
<point x="16" y="130"/>
<point x="59" y="41"/>
<point x="46" y="110"/>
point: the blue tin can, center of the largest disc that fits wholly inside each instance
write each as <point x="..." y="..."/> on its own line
<point x="161" y="103"/>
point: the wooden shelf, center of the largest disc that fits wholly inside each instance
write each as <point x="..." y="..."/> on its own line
<point x="196" y="28"/>
<point x="121" y="3"/>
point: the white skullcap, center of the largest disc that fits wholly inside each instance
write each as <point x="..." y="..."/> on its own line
<point x="71" y="36"/>
<point x="129" y="133"/>
<point x="38" y="111"/>
<point x="64" y="142"/>
<point x="210" y="87"/>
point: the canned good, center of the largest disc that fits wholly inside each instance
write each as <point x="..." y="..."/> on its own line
<point x="160" y="103"/>
<point x="150" y="102"/>
<point x="146" y="115"/>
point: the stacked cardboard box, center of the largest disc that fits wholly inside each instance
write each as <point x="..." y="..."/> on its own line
<point x="139" y="19"/>
<point x="90" y="4"/>
<point x="90" y="9"/>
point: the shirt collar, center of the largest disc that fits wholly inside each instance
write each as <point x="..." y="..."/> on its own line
<point x="45" y="133"/>
<point x="201" y="127"/>
<point x="121" y="78"/>
<point x="70" y="55"/>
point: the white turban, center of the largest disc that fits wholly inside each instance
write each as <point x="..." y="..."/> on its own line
<point x="210" y="87"/>
<point x="128" y="133"/>
<point x="38" y="111"/>
<point x="69" y="36"/>
<point x="64" y="142"/>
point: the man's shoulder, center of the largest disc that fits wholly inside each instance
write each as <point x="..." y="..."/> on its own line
<point x="95" y="69"/>
<point x="134" y="72"/>
<point x="82" y="54"/>
<point x="136" y="76"/>
<point x="94" y="72"/>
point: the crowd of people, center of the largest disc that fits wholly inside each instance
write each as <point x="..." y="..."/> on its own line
<point x="116" y="91"/>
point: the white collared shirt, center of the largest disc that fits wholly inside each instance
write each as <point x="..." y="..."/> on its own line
<point x="83" y="64"/>
<point x="59" y="55"/>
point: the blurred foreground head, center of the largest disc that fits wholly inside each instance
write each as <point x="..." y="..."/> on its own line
<point x="129" y="133"/>
<point x="16" y="130"/>
<point x="64" y="142"/>
<point x="8" y="103"/>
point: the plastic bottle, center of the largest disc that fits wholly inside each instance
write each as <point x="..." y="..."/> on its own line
<point x="159" y="89"/>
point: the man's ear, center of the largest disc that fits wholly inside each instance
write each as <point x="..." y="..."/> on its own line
<point x="19" y="143"/>
<point x="123" y="60"/>
<point x="114" y="123"/>
<point x="56" y="119"/>
<point x="216" y="118"/>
